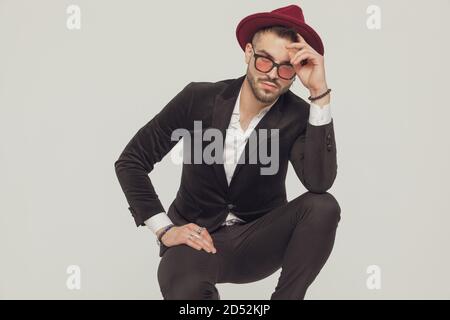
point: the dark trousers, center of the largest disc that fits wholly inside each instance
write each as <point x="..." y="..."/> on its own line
<point x="297" y="237"/>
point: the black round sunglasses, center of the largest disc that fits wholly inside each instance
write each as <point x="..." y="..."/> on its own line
<point x="265" y="64"/>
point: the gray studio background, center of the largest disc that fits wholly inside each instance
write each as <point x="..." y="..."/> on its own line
<point x="70" y="100"/>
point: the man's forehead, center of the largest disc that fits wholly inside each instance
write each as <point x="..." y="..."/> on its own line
<point x="273" y="46"/>
<point x="278" y="54"/>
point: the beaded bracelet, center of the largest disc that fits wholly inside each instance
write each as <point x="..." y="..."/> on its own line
<point x="318" y="97"/>
<point x="158" y="240"/>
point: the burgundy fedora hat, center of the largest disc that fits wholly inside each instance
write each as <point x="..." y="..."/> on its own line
<point x="290" y="16"/>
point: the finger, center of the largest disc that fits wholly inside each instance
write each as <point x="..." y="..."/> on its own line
<point x="200" y="241"/>
<point x="204" y="233"/>
<point x="193" y="227"/>
<point x="208" y="237"/>
<point x="190" y="238"/>
<point x="297" y="45"/>
<point x="205" y="236"/>
<point x="302" y="57"/>
<point x="301" y="51"/>
<point x="193" y="244"/>
<point x="204" y="244"/>
<point x="295" y="48"/>
<point x="302" y="41"/>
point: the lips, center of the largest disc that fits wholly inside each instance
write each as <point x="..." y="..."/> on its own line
<point x="269" y="85"/>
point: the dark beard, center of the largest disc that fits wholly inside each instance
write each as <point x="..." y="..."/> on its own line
<point x="263" y="98"/>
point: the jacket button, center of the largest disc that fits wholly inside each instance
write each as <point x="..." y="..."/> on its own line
<point x="329" y="136"/>
<point x="329" y="147"/>
<point x="230" y="206"/>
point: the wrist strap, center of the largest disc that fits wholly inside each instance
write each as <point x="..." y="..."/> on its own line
<point x="318" y="97"/>
<point x="164" y="231"/>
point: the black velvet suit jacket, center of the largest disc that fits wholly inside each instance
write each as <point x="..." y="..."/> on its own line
<point x="204" y="196"/>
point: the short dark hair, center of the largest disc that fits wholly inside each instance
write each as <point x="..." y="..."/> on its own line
<point x="281" y="31"/>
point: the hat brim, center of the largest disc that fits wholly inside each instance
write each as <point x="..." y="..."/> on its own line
<point x="251" y="24"/>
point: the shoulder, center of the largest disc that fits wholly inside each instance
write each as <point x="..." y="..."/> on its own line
<point x="202" y="97"/>
<point x="208" y="88"/>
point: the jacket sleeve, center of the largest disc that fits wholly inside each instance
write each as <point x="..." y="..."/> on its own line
<point x="313" y="156"/>
<point x="147" y="147"/>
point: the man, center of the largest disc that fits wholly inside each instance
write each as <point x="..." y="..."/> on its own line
<point x="229" y="222"/>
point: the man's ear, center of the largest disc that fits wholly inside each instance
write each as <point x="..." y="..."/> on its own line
<point x="248" y="52"/>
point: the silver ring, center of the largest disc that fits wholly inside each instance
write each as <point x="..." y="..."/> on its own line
<point x="199" y="230"/>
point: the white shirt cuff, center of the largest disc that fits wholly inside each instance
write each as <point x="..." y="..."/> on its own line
<point x="158" y="221"/>
<point x="318" y="115"/>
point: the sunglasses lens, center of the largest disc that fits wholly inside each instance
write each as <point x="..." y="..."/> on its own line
<point x="263" y="64"/>
<point x="286" y="72"/>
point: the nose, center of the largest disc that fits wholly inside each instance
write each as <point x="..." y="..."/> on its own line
<point x="273" y="74"/>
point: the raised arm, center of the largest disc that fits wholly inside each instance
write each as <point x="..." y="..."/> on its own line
<point x="313" y="154"/>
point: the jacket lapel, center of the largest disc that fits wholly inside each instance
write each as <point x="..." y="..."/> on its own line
<point x="269" y="121"/>
<point x="223" y="109"/>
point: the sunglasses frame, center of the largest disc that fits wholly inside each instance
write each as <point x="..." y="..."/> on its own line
<point x="274" y="64"/>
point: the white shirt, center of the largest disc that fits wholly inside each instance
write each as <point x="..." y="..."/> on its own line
<point x="235" y="141"/>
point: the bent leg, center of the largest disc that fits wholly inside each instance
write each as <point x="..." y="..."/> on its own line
<point x="309" y="247"/>
<point x="298" y="237"/>
<point x="185" y="273"/>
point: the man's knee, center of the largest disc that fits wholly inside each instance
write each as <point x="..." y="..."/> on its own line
<point x="323" y="209"/>
<point x="182" y="277"/>
<point x="193" y="288"/>
<point x="189" y="287"/>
